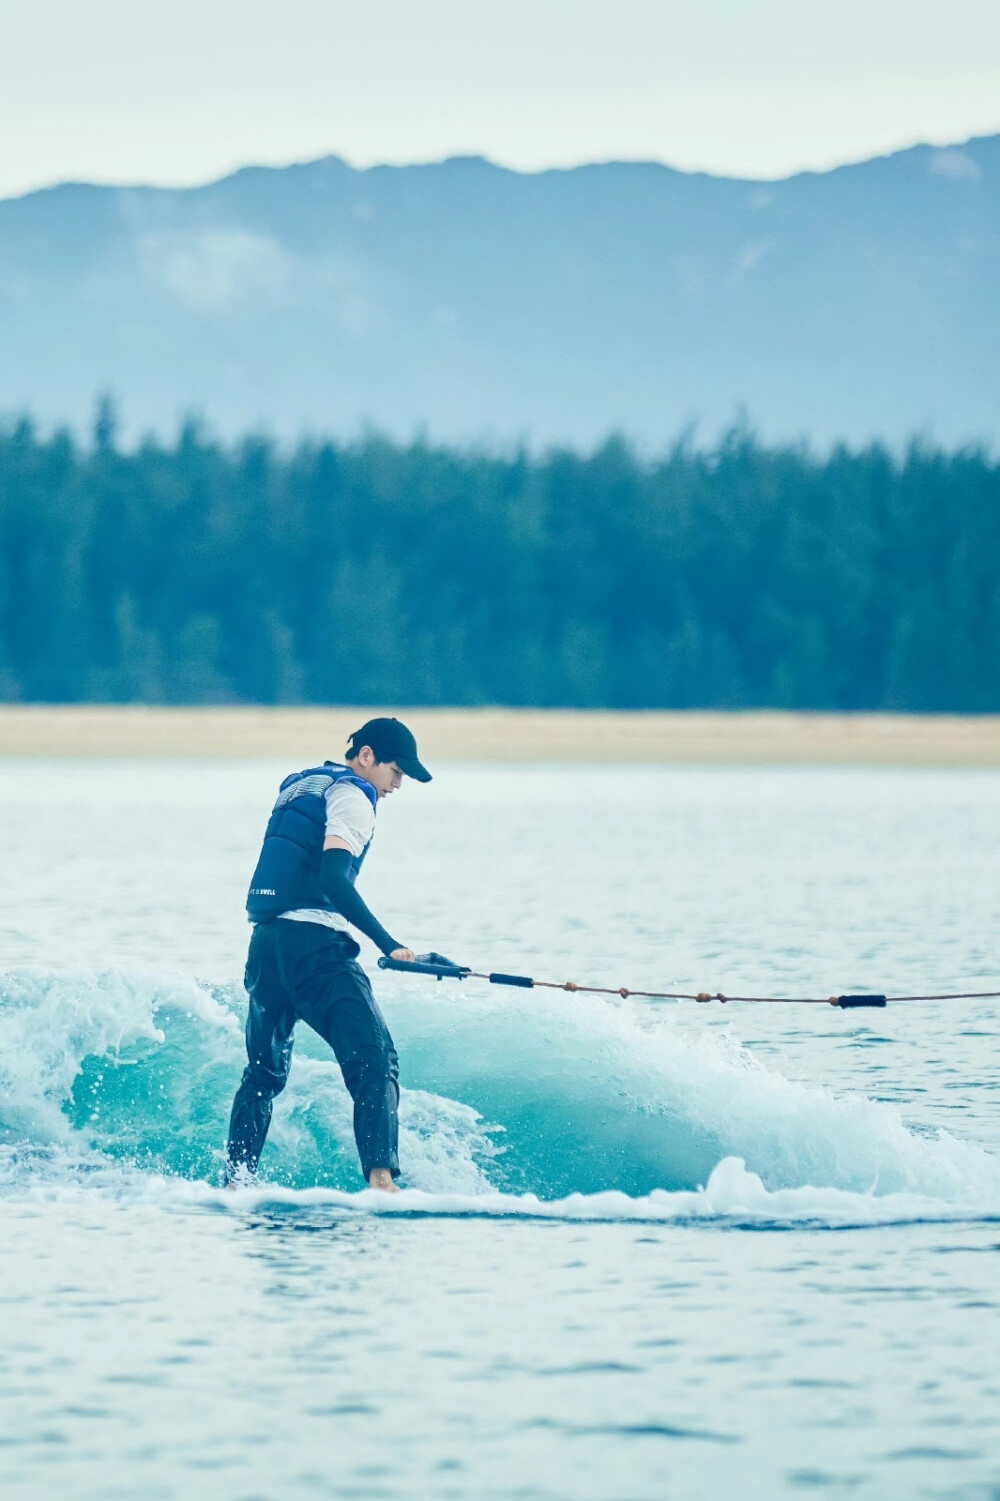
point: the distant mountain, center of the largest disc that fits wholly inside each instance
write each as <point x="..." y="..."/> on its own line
<point x="483" y="303"/>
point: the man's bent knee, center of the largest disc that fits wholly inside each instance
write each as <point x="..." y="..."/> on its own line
<point x="369" y="1068"/>
<point x="262" y="1081"/>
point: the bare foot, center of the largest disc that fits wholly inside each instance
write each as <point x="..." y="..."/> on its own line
<point x="380" y="1177"/>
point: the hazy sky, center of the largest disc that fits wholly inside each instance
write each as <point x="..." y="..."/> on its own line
<point x="180" y="92"/>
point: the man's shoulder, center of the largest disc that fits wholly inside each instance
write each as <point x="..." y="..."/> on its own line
<point x="351" y="787"/>
<point x="327" y="779"/>
<point x="309" y="774"/>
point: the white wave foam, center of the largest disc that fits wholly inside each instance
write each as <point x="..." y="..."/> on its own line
<point x="622" y="1090"/>
<point x="121" y="1082"/>
<point x="49" y="1023"/>
<point x="733" y="1197"/>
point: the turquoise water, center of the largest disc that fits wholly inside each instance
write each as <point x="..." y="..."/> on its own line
<point x="645" y="1249"/>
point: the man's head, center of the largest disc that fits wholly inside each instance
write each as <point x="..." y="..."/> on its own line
<point x="383" y="751"/>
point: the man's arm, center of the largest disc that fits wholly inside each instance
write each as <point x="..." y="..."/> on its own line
<point x="340" y="889"/>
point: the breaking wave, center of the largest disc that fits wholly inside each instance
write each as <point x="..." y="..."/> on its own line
<point x="121" y="1082"/>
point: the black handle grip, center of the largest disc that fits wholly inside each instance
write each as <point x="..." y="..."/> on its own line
<point x="441" y="971"/>
<point x="848" y="1002"/>
<point x="523" y="980"/>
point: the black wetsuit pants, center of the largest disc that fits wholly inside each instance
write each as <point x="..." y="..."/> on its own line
<point x="303" y="971"/>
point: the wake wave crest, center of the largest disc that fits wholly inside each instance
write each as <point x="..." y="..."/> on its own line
<point x="121" y="1082"/>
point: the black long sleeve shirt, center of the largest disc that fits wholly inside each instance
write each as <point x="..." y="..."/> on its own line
<point x="346" y="899"/>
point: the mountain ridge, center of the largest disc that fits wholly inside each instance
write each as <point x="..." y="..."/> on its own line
<point x="481" y="303"/>
<point x="478" y="159"/>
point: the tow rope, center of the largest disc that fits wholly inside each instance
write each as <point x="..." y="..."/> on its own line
<point x="443" y="969"/>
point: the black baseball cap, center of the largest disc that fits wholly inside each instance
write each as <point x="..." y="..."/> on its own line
<point x="391" y="741"/>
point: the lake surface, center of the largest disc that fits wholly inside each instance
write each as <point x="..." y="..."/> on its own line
<point x="645" y="1248"/>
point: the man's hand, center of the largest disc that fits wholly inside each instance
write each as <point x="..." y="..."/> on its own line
<point x="407" y="955"/>
<point x="435" y="958"/>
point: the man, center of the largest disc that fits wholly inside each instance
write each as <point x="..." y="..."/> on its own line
<point x="302" y="963"/>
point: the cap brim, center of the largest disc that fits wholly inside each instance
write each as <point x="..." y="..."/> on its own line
<point x="411" y="767"/>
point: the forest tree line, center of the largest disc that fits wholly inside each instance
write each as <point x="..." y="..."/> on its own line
<point x="380" y="573"/>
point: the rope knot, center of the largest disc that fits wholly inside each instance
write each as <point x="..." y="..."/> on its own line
<point x="571" y="985"/>
<point x="703" y="995"/>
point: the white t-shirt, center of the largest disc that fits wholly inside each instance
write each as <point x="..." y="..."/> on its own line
<point x="350" y="817"/>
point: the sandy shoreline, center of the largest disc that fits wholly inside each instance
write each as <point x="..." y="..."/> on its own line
<point x="310" y="734"/>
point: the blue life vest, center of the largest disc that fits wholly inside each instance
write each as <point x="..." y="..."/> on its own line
<point x="288" y="869"/>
